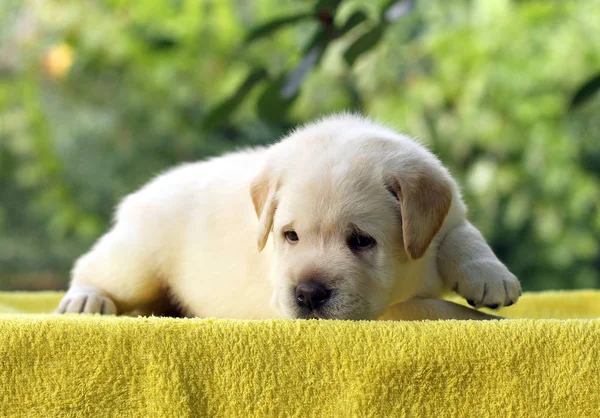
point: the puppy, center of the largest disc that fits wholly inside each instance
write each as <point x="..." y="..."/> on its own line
<point x="343" y="219"/>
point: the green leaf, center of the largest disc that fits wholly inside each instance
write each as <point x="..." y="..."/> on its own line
<point x="161" y="42"/>
<point x="354" y="20"/>
<point x="222" y="111"/>
<point x="158" y="40"/>
<point x="322" y="37"/>
<point x="327" y="5"/>
<point x="585" y="92"/>
<point x="269" y="27"/>
<point x="272" y="106"/>
<point x="365" y="42"/>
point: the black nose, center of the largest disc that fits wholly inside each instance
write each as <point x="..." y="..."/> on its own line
<point x="311" y="295"/>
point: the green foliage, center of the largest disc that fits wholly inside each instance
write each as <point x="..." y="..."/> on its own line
<point x="587" y="91"/>
<point x="97" y="97"/>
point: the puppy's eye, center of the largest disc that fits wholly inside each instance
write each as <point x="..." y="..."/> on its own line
<point x="291" y="236"/>
<point x="359" y="242"/>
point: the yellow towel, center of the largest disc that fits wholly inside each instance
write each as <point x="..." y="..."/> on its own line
<point x="92" y="366"/>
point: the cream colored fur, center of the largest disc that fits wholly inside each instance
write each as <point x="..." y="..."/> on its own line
<point x="211" y="234"/>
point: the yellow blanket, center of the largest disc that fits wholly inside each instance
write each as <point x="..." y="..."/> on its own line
<point x="71" y="366"/>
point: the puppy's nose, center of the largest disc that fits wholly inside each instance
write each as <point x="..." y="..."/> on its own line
<point x="311" y="295"/>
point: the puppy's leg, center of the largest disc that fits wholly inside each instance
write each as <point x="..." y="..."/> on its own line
<point x="417" y="309"/>
<point x="468" y="266"/>
<point x="116" y="276"/>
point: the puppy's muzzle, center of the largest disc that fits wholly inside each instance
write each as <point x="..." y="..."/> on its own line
<point x="311" y="295"/>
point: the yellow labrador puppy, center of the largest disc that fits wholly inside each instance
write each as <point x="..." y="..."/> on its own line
<point x="342" y="219"/>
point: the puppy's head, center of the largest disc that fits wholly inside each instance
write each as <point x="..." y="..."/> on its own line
<point x="351" y="207"/>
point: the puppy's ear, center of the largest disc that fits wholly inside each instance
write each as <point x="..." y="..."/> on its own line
<point x="425" y="195"/>
<point x="263" y="190"/>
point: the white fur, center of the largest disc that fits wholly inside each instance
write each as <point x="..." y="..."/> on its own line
<point x="193" y="232"/>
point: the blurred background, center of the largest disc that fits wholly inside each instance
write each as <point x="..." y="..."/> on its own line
<point x="98" y="96"/>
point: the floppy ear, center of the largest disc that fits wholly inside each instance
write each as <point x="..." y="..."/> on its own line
<point x="262" y="191"/>
<point x="425" y="196"/>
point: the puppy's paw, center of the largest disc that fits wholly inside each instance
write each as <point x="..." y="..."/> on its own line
<point x="86" y="299"/>
<point x="489" y="285"/>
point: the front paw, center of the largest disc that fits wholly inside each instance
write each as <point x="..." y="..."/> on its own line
<point x="488" y="285"/>
<point x="86" y="299"/>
